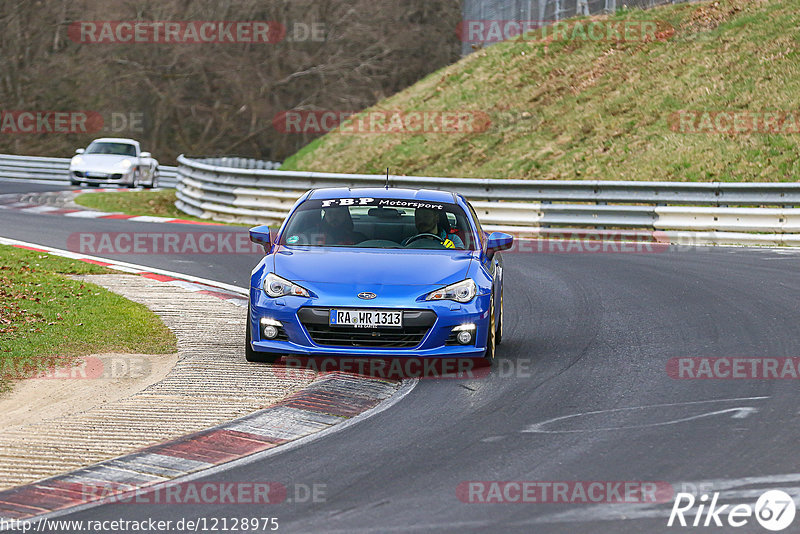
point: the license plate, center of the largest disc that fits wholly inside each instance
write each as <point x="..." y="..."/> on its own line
<point x="96" y="175"/>
<point x="360" y="318"/>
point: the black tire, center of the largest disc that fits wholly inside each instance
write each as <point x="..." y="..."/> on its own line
<point x="153" y="180"/>
<point x="74" y="183"/>
<point x="255" y="356"/>
<point x="499" y="333"/>
<point x="491" y="340"/>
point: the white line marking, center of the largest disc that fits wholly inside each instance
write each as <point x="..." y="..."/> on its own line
<point x="86" y="214"/>
<point x="188" y="286"/>
<point x="40" y="209"/>
<point x="149" y="218"/>
<point x="66" y="253"/>
<point x="739" y="413"/>
<point x="126" y="269"/>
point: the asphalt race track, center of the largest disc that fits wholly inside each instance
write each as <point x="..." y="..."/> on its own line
<point x="586" y="335"/>
<point x="60" y="232"/>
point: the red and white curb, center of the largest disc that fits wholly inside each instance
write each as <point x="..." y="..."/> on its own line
<point x="328" y="404"/>
<point x="331" y="403"/>
<point x="43" y="209"/>
<point x="235" y="295"/>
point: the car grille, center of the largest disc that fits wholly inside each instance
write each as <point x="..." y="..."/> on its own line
<point x="416" y="324"/>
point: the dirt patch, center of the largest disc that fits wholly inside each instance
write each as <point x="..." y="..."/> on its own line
<point x="97" y="380"/>
<point x="709" y="16"/>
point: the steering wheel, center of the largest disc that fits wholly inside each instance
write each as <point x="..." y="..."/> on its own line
<point x="422" y="236"/>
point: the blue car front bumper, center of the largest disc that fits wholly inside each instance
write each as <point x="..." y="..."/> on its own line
<point x="428" y="328"/>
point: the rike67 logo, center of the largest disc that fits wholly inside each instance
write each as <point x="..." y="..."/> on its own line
<point x="774" y="510"/>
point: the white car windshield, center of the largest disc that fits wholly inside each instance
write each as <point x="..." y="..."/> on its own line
<point x="379" y="223"/>
<point x="117" y="149"/>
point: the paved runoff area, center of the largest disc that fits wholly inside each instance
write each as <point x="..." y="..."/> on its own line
<point x="211" y="408"/>
<point x="209" y="384"/>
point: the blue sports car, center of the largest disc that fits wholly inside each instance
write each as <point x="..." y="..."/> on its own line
<point x="378" y="273"/>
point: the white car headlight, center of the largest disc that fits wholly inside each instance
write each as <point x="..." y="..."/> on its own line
<point x="77" y="160"/>
<point x="463" y="291"/>
<point x="275" y="286"/>
<point x="125" y="164"/>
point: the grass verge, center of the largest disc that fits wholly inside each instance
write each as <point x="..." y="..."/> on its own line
<point x="578" y="108"/>
<point x="48" y="320"/>
<point x="153" y="203"/>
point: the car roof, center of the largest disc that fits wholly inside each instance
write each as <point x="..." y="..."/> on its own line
<point x="116" y="140"/>
<point x="429" y="195"/>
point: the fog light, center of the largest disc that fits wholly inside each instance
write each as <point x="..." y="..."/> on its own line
<point x="464" y="337"/>
<point x="270" y="328"/>
<point x="466" y="333"/>
<point x="270" y="332"/>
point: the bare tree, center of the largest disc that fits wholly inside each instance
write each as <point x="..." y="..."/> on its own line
<point x="216" y="98"/>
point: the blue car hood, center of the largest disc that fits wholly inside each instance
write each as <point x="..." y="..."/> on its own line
<point x="371" y="266"/>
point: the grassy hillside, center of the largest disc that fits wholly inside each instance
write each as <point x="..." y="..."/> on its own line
<point x="584" y="109"/>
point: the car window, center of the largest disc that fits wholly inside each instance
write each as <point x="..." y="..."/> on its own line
<point x="117" y="149"/>
<point x="379" y="223"/>
<point x="475" y="218"/>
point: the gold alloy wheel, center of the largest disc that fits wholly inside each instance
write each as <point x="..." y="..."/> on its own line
<point x="490" y="341"/>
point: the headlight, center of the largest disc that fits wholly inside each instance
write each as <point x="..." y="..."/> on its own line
<point x="125" y="164"/>
<point x="275" y="286"/>
<point x="462" y="291"/>
<point x="77" y="160"/>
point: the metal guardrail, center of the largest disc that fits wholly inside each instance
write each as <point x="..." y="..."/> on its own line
<point x="239" y="162"/>
<point x="672" y="210"/>
<point x="56" y="169"/>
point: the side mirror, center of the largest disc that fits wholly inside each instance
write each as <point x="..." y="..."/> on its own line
<point x="261" y="236"/>
<point x="79" y="151"/>
<point x="498" y="241"/>
<point x="145" y="155"/>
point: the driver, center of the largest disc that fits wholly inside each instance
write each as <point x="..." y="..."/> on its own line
<point x="337" y="227"/>
<point x="427" y="222"/>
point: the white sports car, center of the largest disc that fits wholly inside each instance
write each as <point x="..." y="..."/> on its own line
<point x="113" y="161"/>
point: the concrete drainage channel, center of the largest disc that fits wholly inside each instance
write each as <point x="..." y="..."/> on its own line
<point x="108" y="451"/>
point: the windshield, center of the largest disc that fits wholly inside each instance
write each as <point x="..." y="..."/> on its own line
<point x="118" y="149"/>
<point x="379" y="223"/>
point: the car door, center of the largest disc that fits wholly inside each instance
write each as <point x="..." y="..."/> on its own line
<point x="493" y="265"/>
